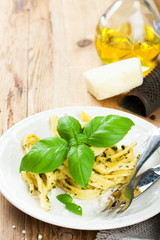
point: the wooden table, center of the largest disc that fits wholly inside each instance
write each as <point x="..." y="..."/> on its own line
<point x="42" y="58"/>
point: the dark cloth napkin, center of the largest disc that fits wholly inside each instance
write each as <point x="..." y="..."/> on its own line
<point x="147" y="230"/>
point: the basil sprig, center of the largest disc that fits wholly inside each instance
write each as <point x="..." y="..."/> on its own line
<point x="80" y="162"/>
<point x="72" y="207"/>
<point x="64" y="198"/>
<point x="107" y="131"/>
<point x="68" y="127"/>
<point x="67" y="200"/>
<point x="45" y="156"/>
<point x="48" y="154"/>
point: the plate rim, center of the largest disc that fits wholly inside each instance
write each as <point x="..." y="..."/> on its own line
<point x="85" y="227"/>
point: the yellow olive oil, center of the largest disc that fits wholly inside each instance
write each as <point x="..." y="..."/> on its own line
<point x="117" y="44"/>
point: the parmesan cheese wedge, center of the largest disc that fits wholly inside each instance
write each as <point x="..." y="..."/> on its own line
<point x="115" y="78"/>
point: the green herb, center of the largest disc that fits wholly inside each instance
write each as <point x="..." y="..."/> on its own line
<point x="68" y="127"/>
<point x="80" y="161"/>
<point x="72" y="207"/>
<point x="65" y="198"/>
<point x="45" y="156"/>
<point x="114" y="148"/>
<point x="123" y="147"/>
<point x="107" y="131"/>
<point x="79" y="138"/>
<point x="48" y="154"/>
<point x="108" y="160"/>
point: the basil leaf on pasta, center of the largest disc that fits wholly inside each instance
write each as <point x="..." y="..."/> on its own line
<point x="68" y="127"/>
<point x="45" y="156"/>
<point x="80" y="161"/>
<point x="107" y="131"/>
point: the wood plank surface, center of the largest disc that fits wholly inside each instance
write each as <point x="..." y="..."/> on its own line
<point x="42" y="58"/>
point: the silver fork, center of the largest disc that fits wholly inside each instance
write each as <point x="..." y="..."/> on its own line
<point x="123" y="197"/>
<point x="146" y="179"/>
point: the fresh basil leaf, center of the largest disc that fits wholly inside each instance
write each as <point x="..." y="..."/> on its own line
<point x="67" y="200"/>
<point x="81" y="138"/>
<point x="72" y="142"/>
<point x="68" y="127"/>
<point x="80" y="161"/>
<point x="107" y="131"/>
<point x="72" y="207"/>
<point x="45" y="156"/>
<point x="64" y="198"/>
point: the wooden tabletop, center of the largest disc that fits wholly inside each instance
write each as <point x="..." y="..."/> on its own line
<point x="42" y="58"/>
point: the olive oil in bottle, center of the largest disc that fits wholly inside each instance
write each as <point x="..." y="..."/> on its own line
<point x="126" y="30"/>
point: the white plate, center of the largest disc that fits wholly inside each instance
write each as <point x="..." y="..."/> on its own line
<point x="16" y="191"/>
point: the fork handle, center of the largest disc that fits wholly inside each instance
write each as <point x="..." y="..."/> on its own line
<point x="153" y="144"/>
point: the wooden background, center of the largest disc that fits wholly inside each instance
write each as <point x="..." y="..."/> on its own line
<point x="42" y="58"/>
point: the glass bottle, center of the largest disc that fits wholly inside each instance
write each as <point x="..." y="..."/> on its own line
<point x="129" y="28"/>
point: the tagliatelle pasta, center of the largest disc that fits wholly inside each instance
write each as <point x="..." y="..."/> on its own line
<point x="113" y="167"/>
<point x="29" y="141"/>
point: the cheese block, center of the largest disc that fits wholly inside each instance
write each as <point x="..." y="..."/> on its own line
<point x="115" y="78"/>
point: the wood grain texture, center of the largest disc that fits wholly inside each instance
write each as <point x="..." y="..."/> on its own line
<point x="45" y="46"/>
<point x="13" y="89"/>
